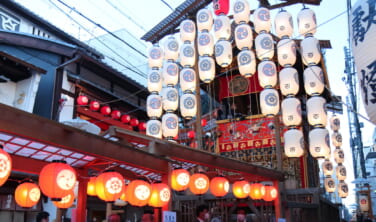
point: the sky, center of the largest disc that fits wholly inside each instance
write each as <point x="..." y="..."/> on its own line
<point x="139" y="16"/>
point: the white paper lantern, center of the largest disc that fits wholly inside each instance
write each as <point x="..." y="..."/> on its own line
<point x="170" y="99"/>
<point x="171" y="49"/>
<point x="264" y="46"/>
<point x="187" y="55"/>
<point x="330" y="185"/>
<point x="337" y="139"/>
<point x="222" y="27"/>
<point x="243" y="36"/>
<point x="154" y="128"/>
<point x="241" y="11"/>
<point x="155" y="56"/>
<point x="187" y="80"/>
<point x="316" y="111"/>
<point x="283" y="24"/>
<point x="335" y="123"/>
<point x="269" y="100"/>
<point x="170" y="125"/>
<point x="261" y="20"/>
<point x="188" y="106"/>
<point x="293" y="143"/>
<point x="223" y="53"/>
<point x="311" y="53"/>
<point x="187" y="30"/>
<point x="319" y="143"/>
<point x="286" y="52"/>
<point x="205" y="44"/>
<point x="339" y="155"/>
<point x="307" y="22"/>
<point x="343" y="189"/>
<point x="204" y="20"/>
<point x="363" y="203"/>
<point x="314" y="80"/>
<point x="327" y="167"/>
<point x="154" y="80"/>
<point x="341" y="172"/>
<point x="267" y="74"/>
<point x="170" y="73"/>
<point x="291" y="112"/>
<point x="154" y="106"/>
<point x="246" y="63"/>
<point x="206" y="68"/>
<point x="289" y="81"/>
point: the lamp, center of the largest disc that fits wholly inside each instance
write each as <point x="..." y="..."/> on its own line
<point x="187" y="30"/>
<point x="204" y="20"/>
<point x="154" y="106"/>
<point x="170" y="73"/>
<point x="283" y="24"/>
<point x="27" y="194"/>
<point x="154" y="80"/>
<point x="188" y="106"/>
<point x="241" y="11"/>
<point x="154" y="128"/>
<point x="291" y="112"/>
<point x="289" y="81"/>
<point x="241" y="189"/>
<point x="313" y="80"/>
<point x="199" y="183"/>
<point x="180" y="179"/>
<point x="306" y="22"/>
<point x="109" y="186"/>
<point x="188" y="80"/>
<point x="261" y="20"/>
<point x="138" y="193"/>
<point x="294" y="143"/>
<point x="246" y="63"/>
<point x="219" y="186"/>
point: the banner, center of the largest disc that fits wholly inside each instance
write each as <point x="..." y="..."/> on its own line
<point x="238" y="85"/>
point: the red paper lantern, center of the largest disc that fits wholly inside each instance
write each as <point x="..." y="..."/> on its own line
<point x="109" y="186"/>
<point x="257" y="191"/>
<point x="138" y="193"/>
<point x="27" y="194"/>
<point x="241" y="189"/>
<point x="82" y="100"/>
<point x="94" y="105"/>
<point x="57" y="179"/>
<point x="65" y="202"/>
<point x="271" y="193"/>
<point x="116" y="114"/>
<point x="191" y="134"/>
<point x="91" y="187"/>
<point x="142" y="126"/>
<point x="5" y="165"/>
<point x="106" y="110"/>
<point x="123" y="196"/>
<point x="134" y="122"/>
<point x="125" y="118"/>
<point x="160" y="195"/>
<point x="199" y="183"/>
<point x="221" y="6"/>
<point x="204" y="122"/>
<point x="180" y="179"/>
<point x="219" y="186"/>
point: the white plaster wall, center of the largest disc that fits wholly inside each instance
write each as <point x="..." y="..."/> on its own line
<point x="26" y="91"/>
<point x="7" y="93"/>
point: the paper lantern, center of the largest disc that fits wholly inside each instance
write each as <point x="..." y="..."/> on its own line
<point x="57" y="179"/>
<point x="291" y="112"/>
<point x="343" y="189"/>
<point x="205" y="44"/>
<point x="206" y="69"/>
<point x="241" y="11"/>
<point x="222" y="27"/>
<point x="125" y="118"/>
<point x="289" y="81"/>
<point x="188" y="80"/>
<point x="187" y="30"/>
<point x="327" y="167"/>
<point x="180" y="179"/>
<point x="341" y="172"/>
<point x="246" y="63"/>
<point x="134" y="122"/>
<point x="155" y="56"/>
<point x="264" y="46"/>
<point x="319" y="143"/>
<point x="267" y="74"/>
<point x="188" y="106"/>
<point x="283" y="24"/>
<point x="257" y="191"/>
<point x="204" y="20"/>
<point x="221" y="6"/>
<point x="154" y="81"/>
<point x="335" y="123"/>
<point x="286" y="52"/>
<point x="142" y="126"/>
<point x="219" y="186"/>
<point x="307" y="22"/>
<point x="94" y="106"/>
<point x="293" y="143"/>
<point x="160" y="195"/>
<point x="269" y="100"/>
<point x="243" y="36"/>
<point x="191" y="134"/>
<point x="170" y="99"/>
<point x="170" y="126"/>
<point x="154" y="106"/>
<point x="154" y="128"/>
<point x="199" y="183"/>
<point x="123" y="196"/>
<point x="82" y="100"/>
<point x="363" y="203"/>
<point x="310" y="49"/>
<point x="170" y="74"/>
<point x="271" y="193"/>
<point x="115" y="114"/>
<point x="223" y="53"/>
<point x="109" y="186"/>
<point x="314" y="80"/>
<point x="337" y="139"/>
<point x="241" y="189"/>
<point x="6" y="165"/>
<point x="261" y="20"/>
<point x="187" y="55"/>
<point x="171" y="49"/>
<point x="106" y="110"/>
<point x="138" y="193"/>
<point x="65" y="202"/>
<point x="316" y="111"/>
<point x="204" y="122"/>
<point x="27" y="194"/>
<point x="90" y="190"/>
<point x="339" y="155"/>
<point x="330" y="185"/>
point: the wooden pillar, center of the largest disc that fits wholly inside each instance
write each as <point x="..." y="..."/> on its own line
<point x="108" y="210"/>
<point x="79" y="213"/>
<point x="277" y="202"/>
<point x="59" y="214"/>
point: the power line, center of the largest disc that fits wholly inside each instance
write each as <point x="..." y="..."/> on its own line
<point x="164" y="2"/>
